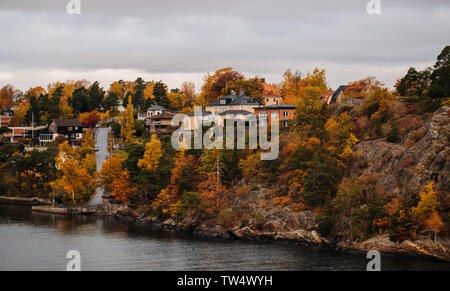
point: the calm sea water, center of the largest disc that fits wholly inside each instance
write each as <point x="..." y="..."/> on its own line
<point x="33" y="241"/>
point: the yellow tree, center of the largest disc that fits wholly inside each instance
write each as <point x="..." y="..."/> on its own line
<point x="64" y="104"/>
<point x="89" y="163"/>
<point x="176" y="100"/>
<point x="117" y="89"/>
<point x="88" y="141"/>
<point x="68" y="150"/>
<point x="251" y="167"/>
<point x="428" y="202"/>
<point x="148" y="91"/>
<point x="294" y="87"/>
<point x="21" y="109"/>
<point x="434" y="223"/>
<point x="340" y="136"/>
<point x="76" y="183"/>
<point x="426" y="209"/>
<point x="153" y="152"/>
<point x="127" y="122"/>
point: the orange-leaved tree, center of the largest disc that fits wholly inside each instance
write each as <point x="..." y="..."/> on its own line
<point x="111" y="170"/>
<point x="214" y="195"/>
<point x="122" y="188"/>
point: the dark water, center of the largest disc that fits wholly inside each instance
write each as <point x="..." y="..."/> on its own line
<point x="32" y="241"/>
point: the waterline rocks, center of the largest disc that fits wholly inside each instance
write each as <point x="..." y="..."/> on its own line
<point x="420" y="247"/>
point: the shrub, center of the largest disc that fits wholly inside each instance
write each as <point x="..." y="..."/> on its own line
<point x="408" y="124"/>
<point x="361" y="126"/>
<point x="393" y="135"/>
<point x="227" y="217"/>
<point x="244" y="222"/>
<point x="259" y="220"/>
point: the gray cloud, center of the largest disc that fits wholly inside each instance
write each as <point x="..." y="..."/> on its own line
<point x="195" y="36"/>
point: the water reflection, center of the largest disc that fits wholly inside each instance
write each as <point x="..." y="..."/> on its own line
<point x="36" y="241"/>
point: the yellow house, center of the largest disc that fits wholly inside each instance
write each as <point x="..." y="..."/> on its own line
<point x="233" y="102"/>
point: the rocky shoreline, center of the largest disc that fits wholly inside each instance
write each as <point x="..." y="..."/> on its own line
<point x="422" y="247"/>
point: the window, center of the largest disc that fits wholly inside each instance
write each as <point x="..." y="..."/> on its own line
<point x="285" y="123"/>
<point x="70" y="128"/>
<point x="222" y="101"/>
<point x="286" y="114"/>
<point x="262" y="118"/>
<point x="267" y="99"/>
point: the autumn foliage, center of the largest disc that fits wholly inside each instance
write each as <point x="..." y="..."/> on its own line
<point x="122" y="188"/>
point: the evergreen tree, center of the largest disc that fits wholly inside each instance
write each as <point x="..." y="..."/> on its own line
<point x="111" y="101"/>
<point x="34" y="113"/>
<point x="440" y="78"/>
<point x="80" y="100"/>
<point x="160" y="93"/>
<point x="43" y="102"/>
<point x="54" y="111"/>
<point x="96" y="95"/>
<point x="139" y="99"/>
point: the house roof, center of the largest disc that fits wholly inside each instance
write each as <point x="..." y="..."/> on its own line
<point x="235" y="100"/>
<point x="67" y="122"/>
<point x="269" y="90"/>
<point x="276" y="107"/>
<point x="156" y="107"/>
<point x="165" y="115"/>
<point x="202" y="113"/>
<point x="235" y="112"/>
<point x="326" y="96"/>
<point x="336" y="94"/>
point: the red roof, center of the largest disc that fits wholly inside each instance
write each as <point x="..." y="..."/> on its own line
<point x="326" y="96"/>
<point x="270" y="90"/>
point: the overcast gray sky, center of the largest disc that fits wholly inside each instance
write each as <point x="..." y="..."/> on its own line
<point x="181" y="40"/>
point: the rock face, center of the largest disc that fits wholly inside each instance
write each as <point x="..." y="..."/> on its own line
<point x="399" y="168"/>
<point x="420" y="247"/>
<point x="404" y="168"/>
